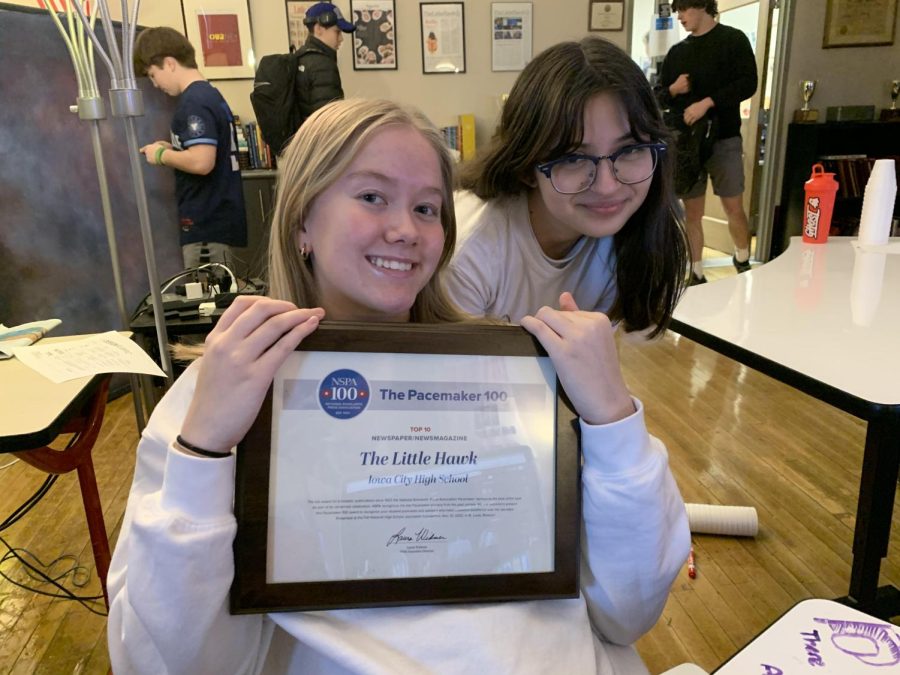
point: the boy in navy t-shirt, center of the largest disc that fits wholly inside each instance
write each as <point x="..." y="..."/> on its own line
<point x="202" y="151"/>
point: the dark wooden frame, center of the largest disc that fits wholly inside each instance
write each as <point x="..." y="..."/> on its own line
<point x="250" y="592"/>
<point x="591" y="4"/>
<point x="462" y="27"/>
<point x="831" y="34"/>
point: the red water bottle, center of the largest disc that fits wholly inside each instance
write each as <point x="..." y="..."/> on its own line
<point x="821" y="189"/>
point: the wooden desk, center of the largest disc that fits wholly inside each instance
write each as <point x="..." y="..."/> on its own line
<point x="820" y="636"/>
<point x="825" y="320"/>
<point x="34" y="411"/>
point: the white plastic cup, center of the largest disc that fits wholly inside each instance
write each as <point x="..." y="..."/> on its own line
<point x="878" y="204"/>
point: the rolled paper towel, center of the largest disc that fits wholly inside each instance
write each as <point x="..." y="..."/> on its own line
<point x="740" y="521"/>
<point x="878" y="204"/>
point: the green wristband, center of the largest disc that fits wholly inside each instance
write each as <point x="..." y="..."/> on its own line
<point x="159" y="153"/>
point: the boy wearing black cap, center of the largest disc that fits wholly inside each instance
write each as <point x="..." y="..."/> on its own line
<point x="318" y="79"/>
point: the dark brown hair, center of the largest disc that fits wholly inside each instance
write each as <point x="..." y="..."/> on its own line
<point x="543" y="119"/>
<point x="711" y="6"/>
<point x="155" y="44"/>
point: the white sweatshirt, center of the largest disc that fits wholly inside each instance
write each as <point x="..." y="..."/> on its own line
<point x="172" y="570"/>
<point x="498" y="268"/>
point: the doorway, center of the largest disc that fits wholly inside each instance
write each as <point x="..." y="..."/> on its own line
<point x="760" y="20"/>
<point x="743" y="15"/>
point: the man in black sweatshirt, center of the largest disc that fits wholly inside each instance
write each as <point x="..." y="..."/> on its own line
<point x="319" y="80"/>
<point x="704" y="78"/>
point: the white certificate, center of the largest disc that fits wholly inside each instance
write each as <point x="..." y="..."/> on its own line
<point x="411" y="465"/>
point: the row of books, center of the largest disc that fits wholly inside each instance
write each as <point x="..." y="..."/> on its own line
<point x="461" y="136"/>
<point x="851" y="172"/>
<point x="253" y="151"/>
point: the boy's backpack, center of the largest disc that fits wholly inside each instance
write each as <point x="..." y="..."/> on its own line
<point x="693" y="147"/>
<point x="274" y="99"/>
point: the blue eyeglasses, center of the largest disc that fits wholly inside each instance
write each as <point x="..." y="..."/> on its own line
<point x="576" y="172"/>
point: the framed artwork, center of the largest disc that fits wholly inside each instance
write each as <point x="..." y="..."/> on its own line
<point x="511" y="24"/>
<point x="375" y="38"/>
<point x="443" y="37"/>
<point x="296" y="12"/>
<point x="219" y="30"/>
<point x="385" y="456"/>
<point x="859" y="23"/>
<point x="606" y="15"/>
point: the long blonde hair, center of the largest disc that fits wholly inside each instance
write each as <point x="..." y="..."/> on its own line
<point x="320" y="152"/>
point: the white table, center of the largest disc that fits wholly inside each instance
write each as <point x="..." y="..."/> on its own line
<point x="820" y="636"/>
<point x="824" y="319"/>
<point x="34" y="411"/>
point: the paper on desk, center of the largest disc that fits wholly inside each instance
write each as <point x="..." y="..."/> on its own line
<point x="109" y="352"/>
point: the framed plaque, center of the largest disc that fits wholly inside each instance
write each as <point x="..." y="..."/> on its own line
<point x="859" y="23"/>
<point x="401" y="464"/>
<point x="606" y="15"/>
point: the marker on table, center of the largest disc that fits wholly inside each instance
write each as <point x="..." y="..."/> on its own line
<point x="692" y="568"/>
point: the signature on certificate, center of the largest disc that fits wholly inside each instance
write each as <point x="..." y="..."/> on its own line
<point x="423" y="534"/>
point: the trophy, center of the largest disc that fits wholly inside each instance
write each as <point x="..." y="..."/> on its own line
<point x="892" y="113"/>
<point x="806" y="114"/>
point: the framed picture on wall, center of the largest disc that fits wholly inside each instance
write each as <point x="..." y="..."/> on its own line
<point x="219" y="30"/>
<point x="851" y="23"/>
<point x="443" y="37"/>
<point x="606" y="15"/>
<point x="510" y="35"/>
<point x="375" y="37"/>
<point x="296" y="12"/>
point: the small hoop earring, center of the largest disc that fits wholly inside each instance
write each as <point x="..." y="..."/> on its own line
<point x="304" y="252"/>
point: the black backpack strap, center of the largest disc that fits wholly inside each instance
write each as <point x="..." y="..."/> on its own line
<point x="301" y="83"/>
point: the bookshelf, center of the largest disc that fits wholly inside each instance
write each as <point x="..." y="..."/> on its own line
<point x="461" y="136"/>
<point x="253" y="152"/>
<point x="258" y="176"/>
<point x="845" y="148"/>
<point x="259" y="200"/>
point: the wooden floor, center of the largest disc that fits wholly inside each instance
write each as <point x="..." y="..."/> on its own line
<point x="45" y="635"/>
<point x="734" y="437"/>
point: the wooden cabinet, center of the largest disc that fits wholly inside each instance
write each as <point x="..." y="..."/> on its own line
<point x="259" y="202"/>
<point x="808" y="144"/>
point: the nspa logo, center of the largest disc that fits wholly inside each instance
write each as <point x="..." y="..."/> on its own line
<point x="344" y="394"/>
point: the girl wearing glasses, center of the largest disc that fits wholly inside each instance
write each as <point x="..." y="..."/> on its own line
<point x="363" y="223"/>
<point x="574" y="193"/>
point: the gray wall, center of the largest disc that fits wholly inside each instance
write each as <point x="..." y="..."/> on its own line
<point x="846" y="75"/>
